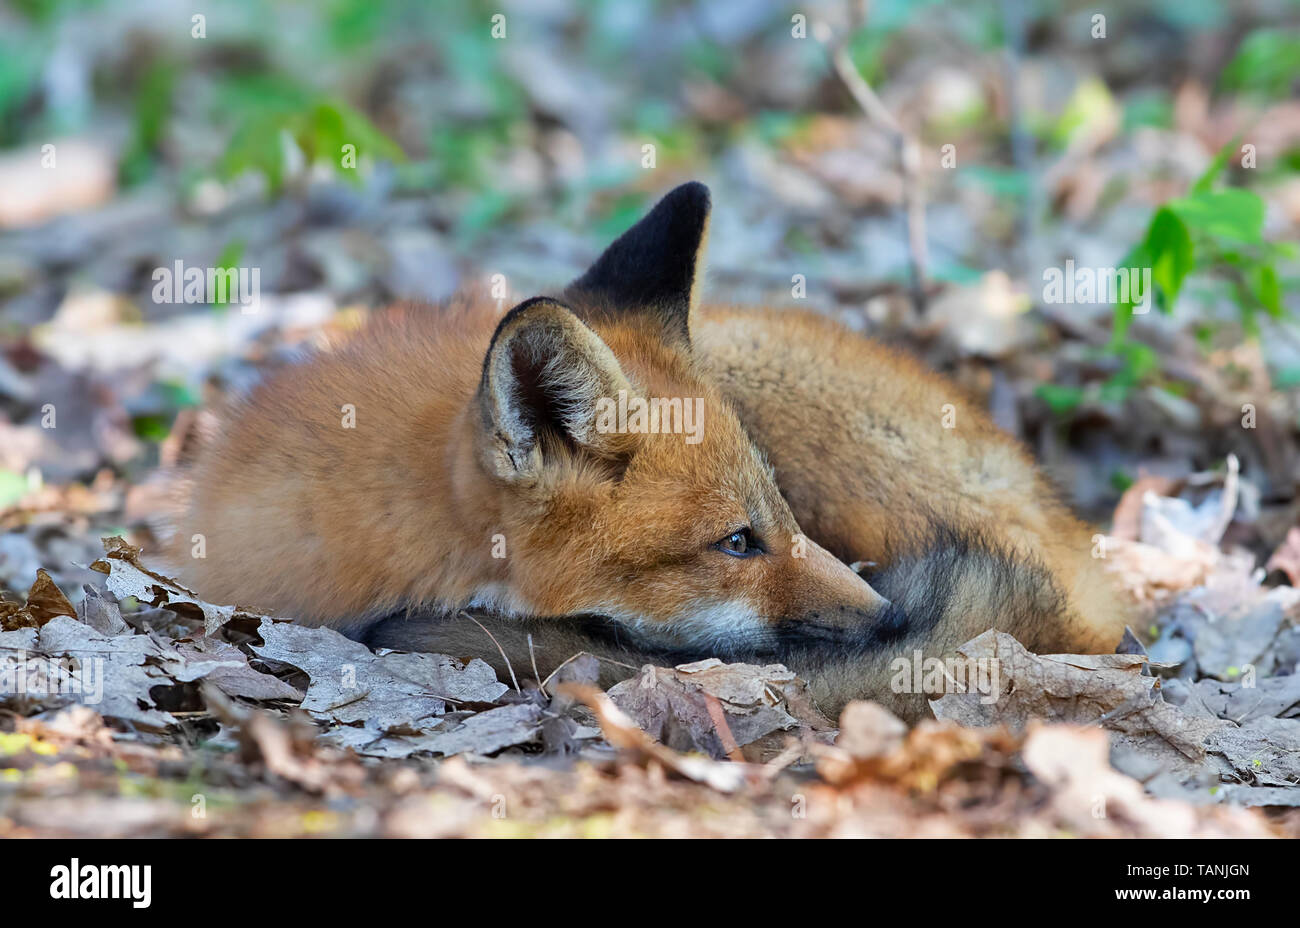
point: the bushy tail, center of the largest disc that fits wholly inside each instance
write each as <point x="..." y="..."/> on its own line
<point x="953" y="586"/>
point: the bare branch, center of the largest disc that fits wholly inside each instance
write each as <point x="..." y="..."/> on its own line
<point x="905" y="151"/>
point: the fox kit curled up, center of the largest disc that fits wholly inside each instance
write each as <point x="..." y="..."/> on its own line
<point x="617" y="469"/>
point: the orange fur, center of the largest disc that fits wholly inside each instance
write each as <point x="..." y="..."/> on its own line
<point x="331" y="525"/>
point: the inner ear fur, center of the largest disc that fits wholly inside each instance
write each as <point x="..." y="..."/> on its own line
<point x="543" y="375"/>
<point x="654" y="269"/>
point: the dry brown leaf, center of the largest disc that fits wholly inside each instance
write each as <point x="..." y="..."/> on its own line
<point x="1287" y="556"/>
<point x="621" y="732"/>
<point x="1150" y="575"/>
<point x="226" y="667"/>
<point x="755" y="707"/>
<point x="66" y="662"/>
<point x="31" y="194"/>
<point x="871" y="748"/>
<point x="1127" y="520"/>
<point x="1076" y="688"/>
<point x="128" y="577"/>
<point x="868" y="729"/>
<point x="1089" y="797"/>
<point x="44" y="601"/>
<point x="287" y="748"/>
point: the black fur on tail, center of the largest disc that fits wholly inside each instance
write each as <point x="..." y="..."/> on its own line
<point x="956" y="583"/>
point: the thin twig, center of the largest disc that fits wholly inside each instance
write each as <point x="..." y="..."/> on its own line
<point x="567" y="660"/>
<point x="559" y="668"/>
<point x="532" y="656"/>
<point x="793" y="751"/>
<point x="1227" y="504"/>
<point x="719" y="717"/>
<point x="905" y="152"/>
<point x="1022" y="144"/>
<point x="499" y="648"/>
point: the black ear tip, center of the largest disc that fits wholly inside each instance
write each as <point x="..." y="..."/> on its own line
<point x="692" y="194"/>
<point x="654" y="263"/>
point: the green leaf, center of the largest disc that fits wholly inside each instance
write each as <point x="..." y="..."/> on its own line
<point x="1264" y="63"/>
<point x="1061" y="400"/>
<point x="1168" y="251"/>
<point x="153" y="103"/>
<point x="1233" y="214"/>
<point x="1287" y="378"/>
<point x="273" y="108"/>
<point x="1140" y="361"/>
<point x="1138" y="257"/>
<point x="256" y="146"/>
<point x="483" y="212"/>
<point x="179" y="394"/>
<point x="622" y="214"/>
<point x="1246" y="305"/>
<point x="153" y="427"/>
<point x="1211" y="173"/>
<point x="338" y="124"/>
<point x="1148" y="109"/>
<point x="1169" y="245"/>
<point x="1264" y="285"/>
<point x="1091" y="107"/>
<point x="229" y="258"/>
<point x="1008" y="183"/>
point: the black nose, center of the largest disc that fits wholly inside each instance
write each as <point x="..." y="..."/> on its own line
<point x="847" y="628"/>
<point x="890" y="625"/>
<point x="869" y="629"/>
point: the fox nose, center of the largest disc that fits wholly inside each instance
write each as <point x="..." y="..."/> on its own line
<point x="851" y="626"/>
<point x="874" y="602"/>
<point x="850" y="615"/>
<point x="841" y="583"/>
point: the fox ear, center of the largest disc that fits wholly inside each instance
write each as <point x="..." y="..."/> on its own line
<point x="656" y="266"/>
<point x="543" y="377"/>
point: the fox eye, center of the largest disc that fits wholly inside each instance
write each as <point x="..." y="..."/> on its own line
<point x="739" y="544"/>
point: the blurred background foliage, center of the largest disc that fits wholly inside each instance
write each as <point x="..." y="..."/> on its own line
<point x="480" y="154"/>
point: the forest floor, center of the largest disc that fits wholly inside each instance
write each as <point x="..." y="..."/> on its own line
<point x="130" y="706"/>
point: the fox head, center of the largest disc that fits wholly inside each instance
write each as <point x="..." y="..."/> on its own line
<point x="628" y="488"/>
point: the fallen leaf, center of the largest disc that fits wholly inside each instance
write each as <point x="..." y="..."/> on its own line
<point x="101" y="613"/>
<point x="1287" y="556"/>
<point x="623" y="733"/>
<point x="1127" y="520"/>
<point x="128" y="577"/>
<point x="673" y="706"/>
<point x="226" y="667"/>
<point x="1086" y="793"/>
<point x="67" y="662"/>
<point x="383" y="700"/>
<point x="487" y="732"/>
<point x="1271" y="697"/>
<point x="1265" y="752"/>
<point x="869" y="730"/>
<point x="1192" y="748"/>
<point x="44" y="601"/>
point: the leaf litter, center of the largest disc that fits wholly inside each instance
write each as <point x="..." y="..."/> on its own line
<point x="297" y="730"/>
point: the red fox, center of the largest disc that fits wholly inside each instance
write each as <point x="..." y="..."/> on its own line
<point x="617" y="469"/>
